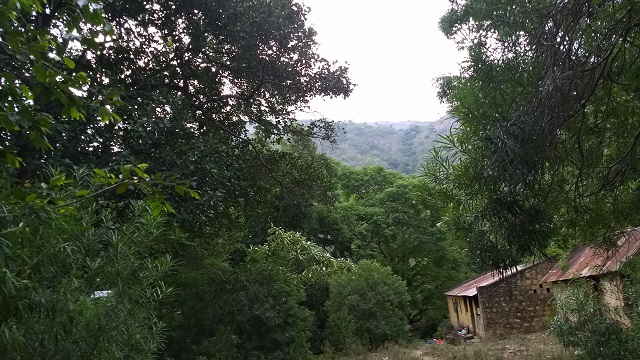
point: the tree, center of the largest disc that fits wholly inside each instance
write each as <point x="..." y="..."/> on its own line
<point x="193" y="69"/>
<point x="368" y="305"/>
<point x="262" y="308"/>
<point x="545" y="152"/>
<point x="81" y="281"/>
<point x="203" y="91"/>
<point x="583" y="321"/>
<point x="40" y="81"/>
<point x="194" y="83"/>
<point x="406" y="235"/>
<point x="397" y="221"/>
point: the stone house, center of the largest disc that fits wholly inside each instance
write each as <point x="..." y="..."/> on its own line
<point x="602" y="267"/>
<point x="498" y="304"/>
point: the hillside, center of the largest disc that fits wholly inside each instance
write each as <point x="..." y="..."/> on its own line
<point x="400" y="145"/>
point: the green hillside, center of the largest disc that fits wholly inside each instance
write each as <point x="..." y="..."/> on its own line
<point x="400" y="146"/>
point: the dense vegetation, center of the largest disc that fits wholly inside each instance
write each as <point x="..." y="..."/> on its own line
<point x="159" y="201"/>
<point x="545" y="155"/>
<point x="402" y="146"/>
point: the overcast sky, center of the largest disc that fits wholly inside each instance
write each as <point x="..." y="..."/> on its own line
<point x="394" y="50"/>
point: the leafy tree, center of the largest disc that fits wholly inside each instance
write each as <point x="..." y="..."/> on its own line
<point x="194" y="69"/>
<point x="203" y="91"/>
<point x="80" y="281"/>
<point x="287" y="182"/>
<point x="545" y="149"/>
<point x="397" y="221"/>
<point x="583" y="321"/>
<point x="256" y="309"/>
<point x="399" y="146"/>
<point x="367" y="304"/>
<point x="41" y="84"/>
<point x="545" y="153"/>
<point x="406" y="235"/>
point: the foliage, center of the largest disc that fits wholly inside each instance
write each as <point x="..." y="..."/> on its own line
<point x="399" y="146"/>
<point x="545" y="152"/>
<point x="259" y="309"/>
<point x="202" y="181"/>
<point x="200" y="71"/>
<point x="583" y="321"/>
<point x="302" y="258"/>
<point x="367" y="304"/>
<point x="53" y="262"/>
<point x="396" y="220"/>
<point x="37" y="72"/>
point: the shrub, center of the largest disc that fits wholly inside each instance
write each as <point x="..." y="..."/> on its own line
<point x="585" y="323"/>
<point x="53" y="263"/>
<point x="367" y="304"/>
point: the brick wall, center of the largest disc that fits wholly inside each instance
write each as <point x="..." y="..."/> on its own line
<point x="517" y="304"/>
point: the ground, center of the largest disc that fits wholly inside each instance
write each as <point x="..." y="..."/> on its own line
<point x="526" y="347"/>
<point x="537" y="346"/>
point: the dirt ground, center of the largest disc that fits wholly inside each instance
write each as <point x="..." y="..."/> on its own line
<point x="527" y="347"/>
<point x="539" y="346"/>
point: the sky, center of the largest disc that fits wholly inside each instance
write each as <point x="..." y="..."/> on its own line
<point x="394" y="50"/>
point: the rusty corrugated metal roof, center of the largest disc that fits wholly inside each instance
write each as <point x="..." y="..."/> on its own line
<point x="470" y="288"/>
<point x="586" y="261"/>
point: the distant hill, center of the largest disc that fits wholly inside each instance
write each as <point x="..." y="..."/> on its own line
<point x="400" y="145"/>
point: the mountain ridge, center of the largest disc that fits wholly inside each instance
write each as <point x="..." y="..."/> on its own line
<point x="396" y="145"/>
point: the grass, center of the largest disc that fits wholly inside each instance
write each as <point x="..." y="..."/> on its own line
<point x="391" y="352"/>
<point x="539" y="346"/>
<point x="536" y="346"/>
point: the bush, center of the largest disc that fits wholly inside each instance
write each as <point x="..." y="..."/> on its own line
<point x="254" y="309"/>
<point x="368" y="305"/>
<point x="54" y="262"/>
<point x="585" y="323"/>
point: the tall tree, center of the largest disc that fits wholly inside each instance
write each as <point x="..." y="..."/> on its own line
<point x="545" y="153"/>
<point x="185" y="69"/>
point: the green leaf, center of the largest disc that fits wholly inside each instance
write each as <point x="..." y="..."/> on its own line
<point x="169" y="207"/>
<point x="104" y="114"/>
<point x="80" y="193"/>
<point x="57" y="181"/>
<point x="140" y="173"/>
<point x="69" y="62"/>
<point x="75" y="114"/>
<point x="156" y="208"/>
<point x="122" y="188"/>
<point x="193" y="194"/>
<point x="83" y="78"/>
<point x="26" y="91"/>
<point x="5" y="122"/>
<point x="13" y="160"/>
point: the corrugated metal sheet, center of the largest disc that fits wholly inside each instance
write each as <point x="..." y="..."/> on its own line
<point x="470" y="288"/>
<point x="586" y="261"/>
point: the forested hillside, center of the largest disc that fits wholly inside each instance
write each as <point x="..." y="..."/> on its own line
<point x="401" y="146"/>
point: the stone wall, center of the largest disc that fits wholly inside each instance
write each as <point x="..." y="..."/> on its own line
<point x="517" y="303"/>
